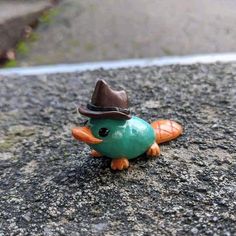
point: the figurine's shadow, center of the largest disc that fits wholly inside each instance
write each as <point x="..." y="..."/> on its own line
<point x="83" y="172"/>
<point x="92" y="169"/>
<point x="140" y="161"/>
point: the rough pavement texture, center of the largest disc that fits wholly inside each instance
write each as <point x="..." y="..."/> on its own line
<point x="14" y="17"/>
<point x="50" y="186"/>
<point x="95" y="30"/>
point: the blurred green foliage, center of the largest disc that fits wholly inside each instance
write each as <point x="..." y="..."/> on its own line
<point x="22" y="48"/>
<point x="48" y="16"/>
<point x="10" y="63"/>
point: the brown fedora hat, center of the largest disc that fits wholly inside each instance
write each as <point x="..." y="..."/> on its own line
<point x="107" y="103"/>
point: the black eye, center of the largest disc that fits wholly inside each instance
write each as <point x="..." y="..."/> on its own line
<point x="103" y="132"/>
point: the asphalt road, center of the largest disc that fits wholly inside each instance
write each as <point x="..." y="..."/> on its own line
<point x="49" y="185"/>
<point x="92" y="30"/>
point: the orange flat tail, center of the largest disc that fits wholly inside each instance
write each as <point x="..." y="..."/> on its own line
<point x="166" y="130"/>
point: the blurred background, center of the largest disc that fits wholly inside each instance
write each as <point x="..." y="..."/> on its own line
<point x="40" y="32"/>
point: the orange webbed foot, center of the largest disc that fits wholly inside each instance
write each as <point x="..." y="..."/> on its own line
<point x="95" y="154"/>
<point x="119" y="164"/>
<point x="154" y="150"/>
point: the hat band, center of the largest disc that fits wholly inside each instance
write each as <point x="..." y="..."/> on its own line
<point x="97" y="108"/>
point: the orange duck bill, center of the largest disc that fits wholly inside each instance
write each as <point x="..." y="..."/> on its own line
<point x="84" y="134"/>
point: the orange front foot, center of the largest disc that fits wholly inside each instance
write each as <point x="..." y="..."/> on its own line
<point x="119" y="164"/>
<point x="154" y="150"/>
<point x="95" y="154"/>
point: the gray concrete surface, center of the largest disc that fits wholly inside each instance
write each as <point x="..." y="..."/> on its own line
<point x="94" y="30"/>
<point x="14" y="17"/>
<point x="50" y="186"/>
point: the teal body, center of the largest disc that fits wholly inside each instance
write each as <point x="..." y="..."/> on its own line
<point x="126" y="138"/>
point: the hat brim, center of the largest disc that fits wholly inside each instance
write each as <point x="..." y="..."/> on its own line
<point x="103" y="114"/>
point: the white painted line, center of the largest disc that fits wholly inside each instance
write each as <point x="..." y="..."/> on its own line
<point x="162" y="61"/>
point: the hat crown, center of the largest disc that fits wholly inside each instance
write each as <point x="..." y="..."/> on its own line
<point x="104" y="96"/>
<point x="107" y="103"/>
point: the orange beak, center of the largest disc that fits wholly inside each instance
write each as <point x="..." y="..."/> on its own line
<point x="84" y="134"/>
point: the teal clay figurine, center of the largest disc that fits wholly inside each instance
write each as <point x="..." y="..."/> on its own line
<point x="112" y="132"/>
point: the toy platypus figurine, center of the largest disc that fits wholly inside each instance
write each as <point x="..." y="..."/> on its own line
<point x="112" y="132"/>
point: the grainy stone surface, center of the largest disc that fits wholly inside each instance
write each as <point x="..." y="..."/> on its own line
<point x="50" y="186"/>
